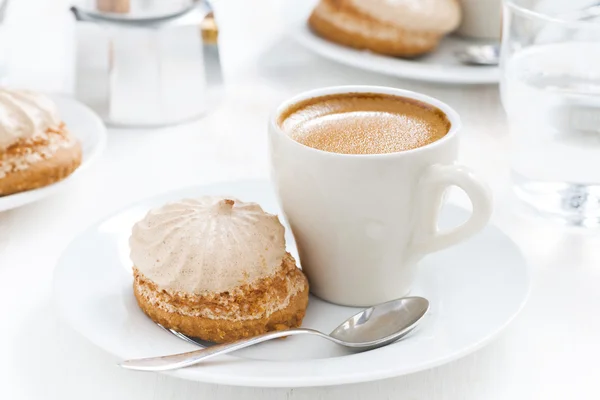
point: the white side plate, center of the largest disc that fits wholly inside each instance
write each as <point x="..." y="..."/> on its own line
<point x="439" y="66"/>
<point x="475" y="290"/>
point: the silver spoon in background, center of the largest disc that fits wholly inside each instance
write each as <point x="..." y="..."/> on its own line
<point x="486" y="54"/>
<point x="374" y="327"/>
<point x="489" y="54"/>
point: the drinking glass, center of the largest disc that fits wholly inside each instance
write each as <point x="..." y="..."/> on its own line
<point x="550" y="89"/>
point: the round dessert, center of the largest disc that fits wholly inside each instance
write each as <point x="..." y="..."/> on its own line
<point x="403" y="28"/>
<point x="36" y="149"/>
<point x="217" y="269"/>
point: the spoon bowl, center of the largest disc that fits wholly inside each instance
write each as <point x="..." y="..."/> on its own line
<point x="382" y="324"/>
<point x="369" y="329"/>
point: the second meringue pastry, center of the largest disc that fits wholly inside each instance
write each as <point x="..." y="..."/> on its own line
<point x="36" y="148"/>
<point x="217" y="269"/>
<point x="403" y="28"/>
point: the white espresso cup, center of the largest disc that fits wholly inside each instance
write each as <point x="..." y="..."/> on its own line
<point x="363" y="222"/>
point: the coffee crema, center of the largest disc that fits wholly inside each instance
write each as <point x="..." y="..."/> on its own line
<point x="363" y="123"/>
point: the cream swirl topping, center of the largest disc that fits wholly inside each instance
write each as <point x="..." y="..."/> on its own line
<point x="24" y="114"/>
<point x="209" y="244"/>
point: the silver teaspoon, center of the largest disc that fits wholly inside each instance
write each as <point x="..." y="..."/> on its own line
<point x="374" y="327"/>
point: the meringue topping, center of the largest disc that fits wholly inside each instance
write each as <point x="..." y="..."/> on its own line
<point x="208" y="244"/>
<point x="24" y="114"/>
<point x="436" y="15"/>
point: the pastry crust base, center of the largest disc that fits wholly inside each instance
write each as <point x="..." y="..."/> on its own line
<point x="43" y="173"/>
<point x="41" y="160"/>
<point x="222" y="330"/>
<point x="406" y="43"/>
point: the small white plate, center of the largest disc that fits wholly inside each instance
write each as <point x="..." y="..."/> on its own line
<point x="475" y="290"/>
<point x="86" y="126"/>
<point x="439" y="66"/>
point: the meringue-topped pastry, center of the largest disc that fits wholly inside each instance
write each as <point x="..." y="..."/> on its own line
<point x="36" y="149"/>
<point x="404" y="28"/>
<point x="216" y="268"/>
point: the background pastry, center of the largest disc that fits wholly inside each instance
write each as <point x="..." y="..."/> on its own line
<point x="36" y="149"/>
<point x="394" y="27"/>
<point x="217" y="269"/>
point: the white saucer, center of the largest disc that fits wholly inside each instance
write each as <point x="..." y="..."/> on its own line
<point x="88" y="128"/>
<point x="475" y="290"/>
<point x="438" y="66"/>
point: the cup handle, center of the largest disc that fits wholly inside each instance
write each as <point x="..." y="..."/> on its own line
<point x="431" y="187"/>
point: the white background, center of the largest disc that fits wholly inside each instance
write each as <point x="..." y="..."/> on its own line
<point x="549" y="352"/>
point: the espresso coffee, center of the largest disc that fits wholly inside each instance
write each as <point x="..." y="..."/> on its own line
<point x="363" y="123"/>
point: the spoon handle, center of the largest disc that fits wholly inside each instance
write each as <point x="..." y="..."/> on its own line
<point x="176" y="361"/>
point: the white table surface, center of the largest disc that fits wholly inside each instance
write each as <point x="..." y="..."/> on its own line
<point x="549" y="352"/>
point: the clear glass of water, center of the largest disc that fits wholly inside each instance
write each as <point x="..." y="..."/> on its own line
<point x="550" y="90"/>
